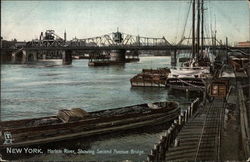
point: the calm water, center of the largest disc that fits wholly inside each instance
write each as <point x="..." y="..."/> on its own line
<point x="43" y="89"/>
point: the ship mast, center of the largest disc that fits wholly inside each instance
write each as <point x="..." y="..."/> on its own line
<point x="198" y="30"/>
<point x="193" y="31"/>
<point x="202" y="27"/>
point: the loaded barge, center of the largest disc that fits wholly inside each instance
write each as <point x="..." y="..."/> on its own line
<point x="75" y="123"/>
<point x="151" y="78"/>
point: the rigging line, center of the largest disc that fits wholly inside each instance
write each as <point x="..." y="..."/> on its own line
<point x="226" y="17"/>
<point x="210" y="18"/>
<point x="206" y="28"/>
<point x="190" y="32"/>
<point x="178" y="18"/>
<point x="206" y="34"/>
<point x="192" y="85"/>
<point x="190" y="4"/>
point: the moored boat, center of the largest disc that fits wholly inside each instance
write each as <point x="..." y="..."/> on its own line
<point x="195" y="72"/>
<point x="75" y="123"/>
<point x="150" y="78"/>
<point x="238" y="63"/>
<point x="188" y="78"/>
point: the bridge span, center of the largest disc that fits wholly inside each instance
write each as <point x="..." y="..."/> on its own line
<point x="116" y="44"/>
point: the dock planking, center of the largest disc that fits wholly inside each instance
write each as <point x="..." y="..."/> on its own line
<point x="199" y="139"/>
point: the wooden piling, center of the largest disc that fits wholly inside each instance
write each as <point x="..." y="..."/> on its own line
<point x="179" y="120"/>
<point x="157" y="148"/>
<point x="164" y="140"/>
<point x="192" y="108"/>
<point x="166" y="133"/>
<point x="189" y="111"/>
<point x="153" y="154"/>
<point x="150" y="158"/>
<point x="186" y="116"/>
<point x="169" y="138"/>
<point x="161" y="149"/>
<point x="176" y="142"/>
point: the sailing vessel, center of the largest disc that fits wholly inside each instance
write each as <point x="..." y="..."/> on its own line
<point x="188" y="78"/>
<point x="193" y="74"/>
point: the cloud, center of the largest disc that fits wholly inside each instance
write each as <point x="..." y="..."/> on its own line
<point x="26" y="19"/>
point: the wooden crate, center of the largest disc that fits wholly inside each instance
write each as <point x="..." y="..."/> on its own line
<point x="219" y="88"/>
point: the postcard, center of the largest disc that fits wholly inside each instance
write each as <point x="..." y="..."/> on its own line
<point x="126" y="81"/>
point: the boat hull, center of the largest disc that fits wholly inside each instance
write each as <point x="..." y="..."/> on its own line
<point x="86" y="128"/>
<point x="143" y="83"/>
<point x="191" y="84"/>
<point x="150" y="78"/>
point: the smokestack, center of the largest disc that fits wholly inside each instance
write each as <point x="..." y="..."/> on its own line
<point x="41" y="36"/>
<point x="65" y="36"/>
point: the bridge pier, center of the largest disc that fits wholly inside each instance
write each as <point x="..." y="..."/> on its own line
<point x="5" y="57"/>
<point x="19" y="57"/>
<point x="23" y="56"/>
<point x="135" y="54"/>
<point x="32" y="56"/>
<point x="173" y="58"/>
<point x="44" y="56"/>
<point x="118" y="55"/>
<point x="67" y="57"/>
<point x="132" y="56"/>
<point x="13" y="57"/>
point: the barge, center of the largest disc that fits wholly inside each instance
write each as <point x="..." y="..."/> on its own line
<point x="76" y="123"/>
<point x="151" y="78"/>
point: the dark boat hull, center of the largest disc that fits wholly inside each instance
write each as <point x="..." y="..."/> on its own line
<point x="150" y="78"/>
<point x="42" y="134"/>
<point x="191" y="84"/>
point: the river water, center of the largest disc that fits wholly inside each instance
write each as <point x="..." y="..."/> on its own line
<point x="41" y="89"/>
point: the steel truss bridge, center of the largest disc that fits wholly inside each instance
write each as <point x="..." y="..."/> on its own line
<point x="110" y="42"/>
<point x="52" y="45"/>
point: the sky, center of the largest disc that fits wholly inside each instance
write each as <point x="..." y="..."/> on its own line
<point x="25" y="20"/>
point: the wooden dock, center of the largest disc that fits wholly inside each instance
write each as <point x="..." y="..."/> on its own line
<point x="200" y="138"/>
<point x="166" y="141"/>
<point x="243" y="104"/>
<point x="204" y="133"/>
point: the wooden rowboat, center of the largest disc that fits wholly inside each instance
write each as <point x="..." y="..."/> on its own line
<point x="75" y="123"/>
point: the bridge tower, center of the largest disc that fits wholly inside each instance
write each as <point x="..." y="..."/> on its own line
<point x="65" y="36"/>
<point x="118" y="55"/>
